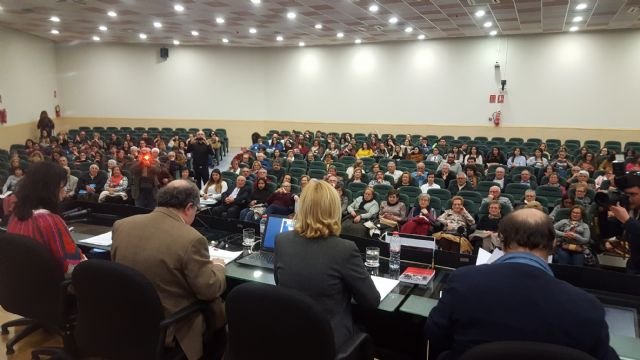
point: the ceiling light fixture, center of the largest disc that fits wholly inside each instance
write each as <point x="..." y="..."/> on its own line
<point x="493" y="32"/>
<point x="279" y="38"/>
<point x="54" y="19"/>
<point x="178" y="7"/>
<point x="96" y="38"/>
<point x="577" y="19"/>
<point x="103" y="28"/>
<point x="318" y="26"/>
<point x="176" y="42"/>
<point x="340" y="35"/>
<point x="581" y="6"/>
<point x="480" y="13"/>
<point x="220" y="20"/>
<point x="142" y="36"/>
<point x="255" y="2"/>
<point x="421" y="37"/>
<point x="157" y="24"/>
<point x="488" y="24"/>
<point x="195" y="33"/>
<point x="253" y="30"/>
<point x="358" y="41"/>
<point x="374" y="8"/>
<point x="291" y="15"/>
<point x="573" y="28"/>
<point x="393" y="20"/>
<point x="112" y="13"/>
<point x="301" y="44"/>
<point x="408" y="29"/>
<point x="55" y="32"/>
<point x="225" y="40"/>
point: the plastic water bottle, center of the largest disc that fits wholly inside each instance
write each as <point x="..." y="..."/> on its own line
<point x="394" y="251"/>
<point x="263" y="224"/>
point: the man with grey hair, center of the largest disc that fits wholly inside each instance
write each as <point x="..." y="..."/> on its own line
<point x="391" y="170"/>
<point x="500" y="178"/>
<point x="460" y="184"/>
<point x="175" y="258"/>
<point x="454" y="166"/>
<point x="494" y="194"/>
<point x="529" y="196"/>
<point x="91" y="184"/>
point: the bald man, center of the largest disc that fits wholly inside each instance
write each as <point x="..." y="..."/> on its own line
<point x="517" y="298"/>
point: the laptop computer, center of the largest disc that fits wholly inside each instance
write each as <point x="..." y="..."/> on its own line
<point x="264" y="258"/>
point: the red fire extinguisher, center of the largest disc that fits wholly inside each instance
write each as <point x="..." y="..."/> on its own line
<point x="496" y="118"/>
<point x="3" y="115"/>
<point x="57" y="109"/>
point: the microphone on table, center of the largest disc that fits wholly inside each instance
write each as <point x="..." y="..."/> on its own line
<point x="77" y="213"/>
<point x="64" y="214"/>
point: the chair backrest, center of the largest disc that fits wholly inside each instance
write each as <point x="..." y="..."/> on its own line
<point x="516" y="189"/>
<point x="119" y="312"/>
<point x="443" y="194"/>
<point x="471" y="195"/>
<point x="524" y="350"/>
<point x="294" y="327"/>
<point x="296" y="171"/>
<point x="317" y="173"/>
<point x="410" y="191"/>
<point x="355" y="187"/>
<point x="30" y="279"/>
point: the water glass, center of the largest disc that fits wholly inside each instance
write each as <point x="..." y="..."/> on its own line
<point x="372" y="257"/>
<point x="248" y="239"/>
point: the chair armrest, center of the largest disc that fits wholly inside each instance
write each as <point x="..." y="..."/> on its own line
<point x="198" y="306"/>
<point x="360" y="346"/>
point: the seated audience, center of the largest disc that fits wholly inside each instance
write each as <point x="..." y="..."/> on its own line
<point x="362" y="209"/>
<point x="116" y="186"/>
<point x="486" y="234"/>
<point x="282" y="201"/>
<point x="516" y="159"/>
<point x="12" y="181"/>
<point x="473" y="176"/>
<point x="500" y="178"/>
<point x="421" y="218"/>
<point x="364" y="151"/>
<point x="430" y="184"/>
<point x="572" y="238"/>
<point x="454" y="166"/>
<point x="494" y="194"/>
<point x="415" y="154"/>
<point x="379" y="179"/>
<point x="529" y="196"/>
<point x="495" y="157"/>
<point x="525" y="178"/>
<point x="434" y="156"/>
<point x="91" y="184"/>
<point x="233" y="200"/>
<point x="72" y="184"/>
<point x="215" y="187"/>
<point x="339" y="276"/>
<point x="460" y="184"/>
<point x="393" y="171"/>
<point x="257" y="202"/>
<point x="35" y="213"/>
<point x="457" y="223"/>
<point x="393" y="212"/>
<point x="356" y="178"/>
<point x="537" y="161"/>
<point x="420" y="175"/>
<point x="405" y="180"/>
<point x="445" y="174"/>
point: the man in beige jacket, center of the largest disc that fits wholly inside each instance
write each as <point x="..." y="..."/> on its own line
<point x="175" y="257"/>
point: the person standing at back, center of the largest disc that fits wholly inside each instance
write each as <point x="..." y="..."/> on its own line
<point x="517" y="298"/>
<point x="315" y="261"/>
<point x="200" y="151"/>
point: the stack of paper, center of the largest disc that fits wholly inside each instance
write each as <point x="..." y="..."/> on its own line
<point x="227" y="256"/>
<point x="384" y="285"/>
<point x="100" y="240"/>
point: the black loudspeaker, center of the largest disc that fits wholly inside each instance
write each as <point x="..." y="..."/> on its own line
<point x="164" y="53"/>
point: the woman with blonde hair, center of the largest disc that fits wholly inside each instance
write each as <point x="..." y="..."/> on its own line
<point x="314" y="260"/>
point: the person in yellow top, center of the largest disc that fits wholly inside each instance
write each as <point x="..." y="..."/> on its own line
<point x="364" y="151"/>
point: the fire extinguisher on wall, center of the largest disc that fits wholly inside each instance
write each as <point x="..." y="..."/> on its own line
<point x="3" y="113"/>
<point x="496" y="118"/>
<point x="57" y="109"/>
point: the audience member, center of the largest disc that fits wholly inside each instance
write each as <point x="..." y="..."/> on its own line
<point x="12" y="181"/>
<point x="214" y="188"/>
<point x="91" y="184"/>
<point x="420" y="175"/>
<point x="362" y="209"/>
<point x="572" y="238"/>
<point x="457" y="222"/>
<point x="516" y="159"/>
<point x="445" y="174"/>
<point x="393" y="212"/>
<point x="393" y="171"/>
<point x="257" y="202"/>
<point x="454" y="166"/>
<point x="486" y="234"/>
<point x="494" y="194"/>
<point x="430" y="184"/>
<point x="460" y="184"/>
<point x="405" y="180"/>
<point x="116" y="186"/>
<point x="200" y="151"/>
<point x="233" y="200"/>
<point x="379" y="179"/>
<point x="525" y="178"/>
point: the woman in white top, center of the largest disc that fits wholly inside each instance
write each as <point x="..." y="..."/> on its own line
<point x="215" y="187"/>
<point x="475" y="153"/>
<point x="516" y="159"/>
<point x="430" y="184"/>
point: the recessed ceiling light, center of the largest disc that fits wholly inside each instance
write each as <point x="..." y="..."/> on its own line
<point x="55" y="32"/>
<point x="488" y="24"/>
<point x="279" y="38"/>
<point x="54" y="19"/>
<point x="157" y="24"/>
<point x="493" y="32"/>
<point x="220" y="20"/>
<point x="340" y="35"/>
<point x="255" y="2"/>
<point x="225" y="40"/>
<point x="581" y="6"/>
<point x="176" y="42"/>
<point x="112" y="13"/>
<point x="253" y="30"/>
<point x="408" y="29"/>
<point x="195" y="33"/>
<point x="1" y="8"/>
<point x="96" y="38"/>
<point x="318" y="26"/>
<point x="393" y="20"/>
<point x="577" y="19"/>
<point x="178" y="7"/>
<point x="142" y="36"/>
<point x="103" y="28"/>
<point x="480" y="13"/>
<point x="291" y="15"/>
<point x="358" y="41"/>
<point x="573" y="28"/>
<point x="421" y="37"/>
<point x="374" y="8"/>
<point x="301" y="44"/>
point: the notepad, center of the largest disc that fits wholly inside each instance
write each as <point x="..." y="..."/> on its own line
<point x="384" y="285"/>
<point x="227" y="256"/>
<point x="100" y="240"/>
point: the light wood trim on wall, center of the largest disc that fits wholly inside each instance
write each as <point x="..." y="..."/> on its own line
<point x="17" y="134"/>
<point x="239" y="131"/>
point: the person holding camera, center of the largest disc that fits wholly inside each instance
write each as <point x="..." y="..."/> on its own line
<point x="200" y="151"/>
<point x="622" y="215"/>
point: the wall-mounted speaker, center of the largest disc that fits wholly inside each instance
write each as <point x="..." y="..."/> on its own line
<point x="164" y="53"/>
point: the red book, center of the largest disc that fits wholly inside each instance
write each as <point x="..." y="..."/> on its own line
<point x="418" y="276"/>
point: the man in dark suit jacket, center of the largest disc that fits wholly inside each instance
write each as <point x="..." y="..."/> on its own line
<point x="460" y="184"/>
<point x="517" y="298"/>
<point x="233" y="200"/>
<point x="500" y="177"/>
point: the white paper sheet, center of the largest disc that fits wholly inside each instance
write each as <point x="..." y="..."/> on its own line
<point x="100" y="240"/>
<point x="384" y="285"/>
<point x="227" y="256"/>
<point x="495" y="255"/>
<point x="483" y="256"/>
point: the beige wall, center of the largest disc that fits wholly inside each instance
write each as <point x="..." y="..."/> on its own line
<point x="16" y="134"/>
<point x="240" y="131"/>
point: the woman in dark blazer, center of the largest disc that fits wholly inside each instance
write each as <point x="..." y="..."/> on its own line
<point x="315" y="261"/>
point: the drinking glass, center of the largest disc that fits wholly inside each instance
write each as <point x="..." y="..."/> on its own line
<point x="372" y="257"/>
<point x="248" y="239"/>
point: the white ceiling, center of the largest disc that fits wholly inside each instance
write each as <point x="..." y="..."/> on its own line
<point x="80" y="19"/>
